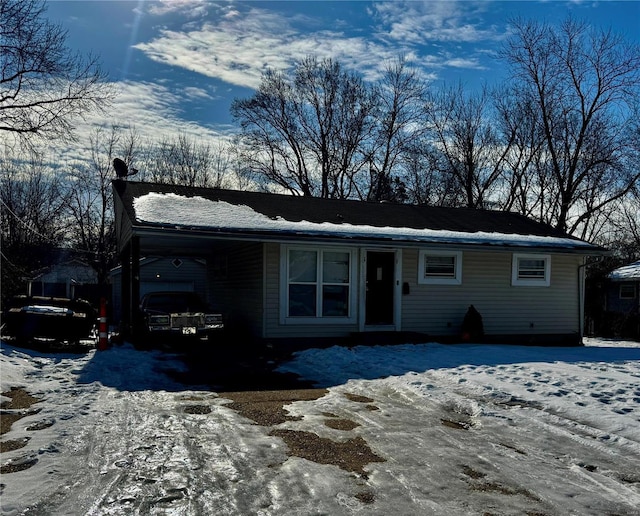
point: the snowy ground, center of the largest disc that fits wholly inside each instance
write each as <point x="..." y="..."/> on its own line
<point x="460" y="429"/>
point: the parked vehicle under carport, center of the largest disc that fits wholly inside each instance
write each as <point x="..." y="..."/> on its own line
<point x="177" y="315"/>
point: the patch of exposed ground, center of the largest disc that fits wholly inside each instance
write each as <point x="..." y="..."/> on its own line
<point x="361" y="399"/>
<point x="517" y="450"/>
<point x="472" y="473"/>
<point x="478" y="482"/>
<point x="341" y="424"/>
<point x="7" y="419"/>
<point x="197" y="409"/>
<point x="13" y="444"/>
<point x="18" y="406"/>
<point x="351" y="455"/>
<point x="459" y="425"/>
<point x="20" y="399"/>
<point x="357" y="398"/>
<point x="366" y="497"/>
<point x="15" y="408"/>
<point x="267" y="407"/>
<point x="19" y="463"/>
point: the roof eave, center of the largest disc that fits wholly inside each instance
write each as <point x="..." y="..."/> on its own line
<point x="308" y="237"/>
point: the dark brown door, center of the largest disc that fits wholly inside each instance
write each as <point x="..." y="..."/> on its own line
<point x="380" y="288"/>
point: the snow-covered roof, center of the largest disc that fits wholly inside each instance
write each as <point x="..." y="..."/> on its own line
<point x="219" y="211"/>
<point x="626" y="273"/>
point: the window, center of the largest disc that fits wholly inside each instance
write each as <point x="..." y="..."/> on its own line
<point x="533" y="270"/>
<point x="318" y="284"/>
<point x="440" y="267"/>
<point x="627" y="291"/>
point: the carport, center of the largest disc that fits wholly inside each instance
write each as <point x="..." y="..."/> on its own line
<point x="148" y="243"/>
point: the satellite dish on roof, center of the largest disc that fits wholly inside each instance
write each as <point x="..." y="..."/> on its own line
<point x="122" y="170"/>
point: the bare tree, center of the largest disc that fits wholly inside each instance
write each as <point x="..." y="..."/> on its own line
<point x="399" y="124"/>
<point x="32" y="215"/>
<point x="525" y="187"/>
<point x="471" y="150"/>
<point x="582" y="83"/>
<point x="424" y="179"/>
<point x="305" y="133"/>
<point x="270" y="144"/>
<point x="186" y="161"/>
<point x="89" y="193"/>
<point x="43" y="85"/>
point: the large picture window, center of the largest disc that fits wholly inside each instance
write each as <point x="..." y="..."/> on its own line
<point x="440" y="267"/>
<point x="533" y="270"/>
<point x="318" y="283"/>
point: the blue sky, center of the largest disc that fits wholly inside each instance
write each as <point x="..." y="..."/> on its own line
<point x="179" y="63"/>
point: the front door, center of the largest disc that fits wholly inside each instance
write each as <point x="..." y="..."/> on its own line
<point x="380" y="288"/>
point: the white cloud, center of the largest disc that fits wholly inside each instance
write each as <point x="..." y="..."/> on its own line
<point x="192" y="8"/>
<point x="461" y="62"/>
<point x="434" y="21"/>
<point x="237" y="42"/>
<point x="153" y="110"/>
<point x="238" y="45"/>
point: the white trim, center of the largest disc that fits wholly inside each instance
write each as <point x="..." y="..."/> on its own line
<point x="517" y="281"/>
<point x="285" y="319"/>
<point x="455" y="280"/>
<point x="398" y="292"/>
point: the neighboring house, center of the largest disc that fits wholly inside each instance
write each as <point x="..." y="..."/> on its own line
<point x="288" y="266"/>
<point x="173" y="272"/>
<point x="622" y="301"/>
<point x="71" y="279"/>
<point x="623" y="294"/>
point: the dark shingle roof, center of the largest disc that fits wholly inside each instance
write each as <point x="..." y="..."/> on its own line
<point x="357" y="213"/>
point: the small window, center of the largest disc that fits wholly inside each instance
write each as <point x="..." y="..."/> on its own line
<point x="533" y="270"/>
<point x="627" y="291"/>
<point x="440" y="267"/>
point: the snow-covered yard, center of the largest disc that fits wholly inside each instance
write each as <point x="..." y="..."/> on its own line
<point x="458" y="429"/>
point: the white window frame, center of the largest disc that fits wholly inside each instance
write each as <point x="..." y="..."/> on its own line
<point x="285" y="318"/>
<point x="426" y="280"/>
<point x="517" y="281"/>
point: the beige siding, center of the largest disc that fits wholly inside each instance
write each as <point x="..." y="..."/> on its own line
<point x="273" y="328"/>
<point x="486" y="283"/>
<point x="440" y="309"/>
<point x="235" y="273"/>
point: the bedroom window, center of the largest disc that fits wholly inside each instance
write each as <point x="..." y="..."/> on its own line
<point x="440" y="267"/>
<point x="318" y="283"/>
<point x="532" y="270"/>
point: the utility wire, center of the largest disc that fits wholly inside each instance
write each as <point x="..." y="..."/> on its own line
<point x="27" y="226"/>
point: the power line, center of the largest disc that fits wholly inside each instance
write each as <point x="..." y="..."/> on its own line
<point x="27" y="226"/>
